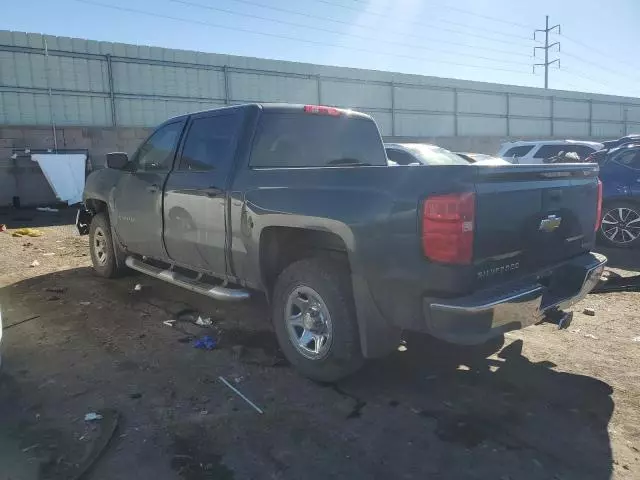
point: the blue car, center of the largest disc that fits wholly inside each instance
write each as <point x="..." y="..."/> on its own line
<point x="620" y="176"/>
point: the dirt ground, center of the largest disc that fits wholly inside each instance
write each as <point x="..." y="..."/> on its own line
<point x="543" y="404"/>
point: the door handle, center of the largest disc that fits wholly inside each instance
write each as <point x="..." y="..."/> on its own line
<point x="153" y="188"/>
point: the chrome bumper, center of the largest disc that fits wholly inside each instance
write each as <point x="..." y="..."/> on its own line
<point x="481" y="316"/>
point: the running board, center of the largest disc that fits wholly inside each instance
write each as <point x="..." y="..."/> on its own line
<point x="212" y="291"/>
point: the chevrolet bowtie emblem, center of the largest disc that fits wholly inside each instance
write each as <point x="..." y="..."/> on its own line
<point x="550" y="223"/>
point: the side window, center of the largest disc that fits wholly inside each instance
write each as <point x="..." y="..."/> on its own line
<point x="210" y="142"/>
<point x="583" y="151"/>
<point x="629" y="159"/>
<point x="548" y="151"/>
<point x="518" y="151"/>
<point x="157" y="152"/>
<point x="400" y="157"/>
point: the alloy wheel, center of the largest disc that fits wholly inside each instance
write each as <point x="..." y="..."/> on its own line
<point x="621" y="225"/>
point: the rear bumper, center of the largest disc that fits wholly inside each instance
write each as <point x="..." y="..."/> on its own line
<point x="485" y="314"/>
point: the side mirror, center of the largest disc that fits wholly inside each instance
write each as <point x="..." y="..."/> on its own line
<point x="117" y="160"/>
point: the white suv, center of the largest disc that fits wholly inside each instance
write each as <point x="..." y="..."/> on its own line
<point x="540" y="150"/>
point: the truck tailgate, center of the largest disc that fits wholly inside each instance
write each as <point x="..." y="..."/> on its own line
<point x="532" y="216"/>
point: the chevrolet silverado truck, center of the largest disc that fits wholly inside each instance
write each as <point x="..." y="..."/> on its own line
<point x="298" y="202"/>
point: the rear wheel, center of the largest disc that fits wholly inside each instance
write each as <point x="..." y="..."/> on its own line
<point x="620" y="225"/>
<point x="315" y="321"/>
<point x="103" y="253"/>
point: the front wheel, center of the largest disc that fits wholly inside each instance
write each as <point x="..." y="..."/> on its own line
<point x="314" y="319"/>
<point x="101" y="246"/>
<point x="620" y="225"/>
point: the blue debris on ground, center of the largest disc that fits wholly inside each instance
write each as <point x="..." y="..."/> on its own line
<point x="206" y="343"/>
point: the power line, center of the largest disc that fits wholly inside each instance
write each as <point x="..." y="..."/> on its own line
<point x="286" y="37"/>
<point x="595" y="50"/>
<point x="599" y="66"/>
<point x="431" y="25"/>
<point x="364" y="27"/>
<point x="588" y="78"/>
<point x="584" y="77"/>
<point x="570" y="84"/>
<point x="353" y="35"/>
<point x="475" y="14"/>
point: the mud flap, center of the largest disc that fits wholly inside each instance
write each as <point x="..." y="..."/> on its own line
<point x="83" y="220"/>
<point x="377" y="337"/>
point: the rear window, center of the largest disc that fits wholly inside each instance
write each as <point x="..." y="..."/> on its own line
<point x="518" y="151"/>
<point x="308" y="140"/>
<point x="548" y="151"/>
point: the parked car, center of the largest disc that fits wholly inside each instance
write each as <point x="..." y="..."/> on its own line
<point x="541" y="150"/>
<point x="633" y="138"/>
<point x="421" y="154"/>
<point x="482" y="159"/>
<point x="620" y="175"/>
<point x="428" y="154"/>
<point x="297" y="202"/>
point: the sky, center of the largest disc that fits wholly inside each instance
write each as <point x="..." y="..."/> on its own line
<point x="482" y="40"/>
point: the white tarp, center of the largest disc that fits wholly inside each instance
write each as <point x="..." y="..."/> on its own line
<point x="65" y="172"/>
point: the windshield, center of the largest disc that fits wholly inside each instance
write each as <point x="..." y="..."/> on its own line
<point x="432" y="155"/>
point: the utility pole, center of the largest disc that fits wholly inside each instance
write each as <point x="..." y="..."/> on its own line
<point x="546" y="48"/>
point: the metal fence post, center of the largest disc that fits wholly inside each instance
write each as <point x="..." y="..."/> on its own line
<point x="225" y="72"/>
<point x="112" y="97"/>
<point x="552" y="114"/>
<point x="590" y="118"/>
<point x="52" y="115"/>
<point x="319" y="87"/>
<point x="625" y="119"/>
<point x="455" y="112"/>
<point x="508" y="112"/>
<point x="393" y="109"/>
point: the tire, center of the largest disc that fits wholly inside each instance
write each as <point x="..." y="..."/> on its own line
<point x="107" y="262"/>
<point x="624" y="234"/>
<point x="329" y="313"/>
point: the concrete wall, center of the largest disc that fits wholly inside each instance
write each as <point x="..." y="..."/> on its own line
<point x="111" y="84"/>
<point x="22" y="177"/>
<point x="102" y="96"/>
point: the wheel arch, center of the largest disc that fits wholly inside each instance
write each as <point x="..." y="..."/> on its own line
<point x="280" y="246"/>
<point x="96" y="206"/>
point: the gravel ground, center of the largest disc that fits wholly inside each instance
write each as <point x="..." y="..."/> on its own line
<point x="542" y="404"/>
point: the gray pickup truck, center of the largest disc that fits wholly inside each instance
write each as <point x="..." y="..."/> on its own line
<point x="297" y="202"/>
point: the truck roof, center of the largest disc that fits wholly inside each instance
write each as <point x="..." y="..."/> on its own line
<point x="275" y="107"/>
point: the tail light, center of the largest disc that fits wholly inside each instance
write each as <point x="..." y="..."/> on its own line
<point x="447" y="228"/>
<point x="599" y="207"/>
<point x="322" y="110"/>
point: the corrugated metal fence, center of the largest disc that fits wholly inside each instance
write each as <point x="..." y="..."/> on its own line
<point x="89" y="83"/>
